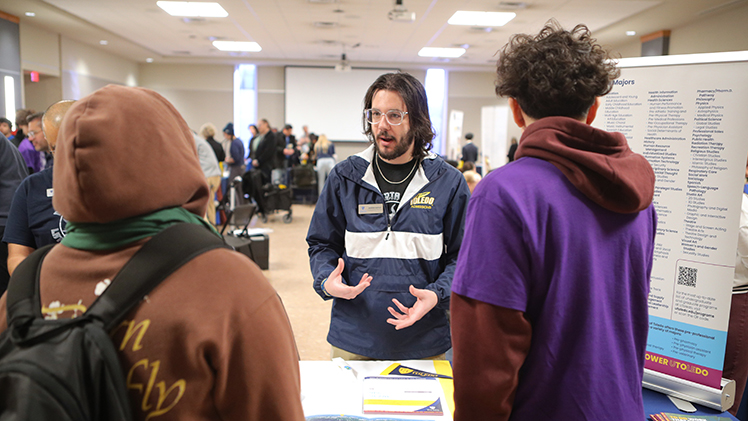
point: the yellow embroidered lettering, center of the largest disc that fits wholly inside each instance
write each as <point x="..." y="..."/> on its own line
<point x="141" y="328"/>
<point x="52" y="312"/>
<point x="180" y="384"/>
<point x="130" y="384"/>
<point x="422" y="201"/>
<point x="151" y="381"/>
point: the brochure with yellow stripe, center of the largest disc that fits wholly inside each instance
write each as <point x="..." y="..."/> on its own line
<point x="402" y="395"/>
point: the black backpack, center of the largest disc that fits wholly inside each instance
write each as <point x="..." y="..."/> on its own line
<point x="69" y="369"/>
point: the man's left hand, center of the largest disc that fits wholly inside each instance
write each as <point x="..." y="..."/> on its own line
<point x="425" y="301"/>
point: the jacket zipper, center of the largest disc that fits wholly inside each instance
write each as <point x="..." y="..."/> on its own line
<point x="387" y="216"/>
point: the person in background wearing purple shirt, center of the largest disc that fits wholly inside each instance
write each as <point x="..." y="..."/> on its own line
<point x="32" y="156"/>
<point x="549" y="299"/>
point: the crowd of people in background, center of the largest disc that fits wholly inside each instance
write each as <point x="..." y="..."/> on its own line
<point x="272" y="151"/>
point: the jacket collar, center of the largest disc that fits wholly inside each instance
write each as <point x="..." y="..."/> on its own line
<point x="361" y="171"/>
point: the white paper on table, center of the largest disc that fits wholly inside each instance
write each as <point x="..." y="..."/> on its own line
<point x="402" y="395"/>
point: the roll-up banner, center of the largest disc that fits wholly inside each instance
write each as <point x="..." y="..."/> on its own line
<point x="688" y="115"/>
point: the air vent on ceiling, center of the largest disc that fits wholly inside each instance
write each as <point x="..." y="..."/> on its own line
<point x="512" y="5"/>
<point x="181" y="53"/>
<point x="325" y="24"/>
<point x="322" y="1"/>
<point x="193" y="20"/>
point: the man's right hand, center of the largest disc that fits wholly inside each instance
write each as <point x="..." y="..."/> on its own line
<point x="336" y="288"/>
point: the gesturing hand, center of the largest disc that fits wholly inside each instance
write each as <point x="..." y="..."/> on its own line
<point x="335" y="286"/>
<point x="425" y="301"/>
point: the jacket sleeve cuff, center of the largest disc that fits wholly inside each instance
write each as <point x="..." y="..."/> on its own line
<point x="320" y="290"/>
<point x="441" y="294"/>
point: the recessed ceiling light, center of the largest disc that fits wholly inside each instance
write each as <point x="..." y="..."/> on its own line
<point x="631" y="33"/>
<point x="103" y="42"/>
<point x="252" y="47"/>
<point x="30" y="14"/>
<point x="462" y="17"/>
<point x="193" y="9"/>
<point x="149" y="60"/>
<point x="441" y="52"/>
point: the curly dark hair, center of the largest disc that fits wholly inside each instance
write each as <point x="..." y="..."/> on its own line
<point x="555" y="73"/>
<point x="414" y="95"/>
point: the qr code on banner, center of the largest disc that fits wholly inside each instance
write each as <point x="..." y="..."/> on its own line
<point x="687" y="276"/>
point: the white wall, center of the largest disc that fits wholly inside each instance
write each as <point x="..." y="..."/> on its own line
<point x="728" y="30"/>
<point x="86" y="69"/>
<point x="469" y="92"/>
<point x="40" y="50"/>
<point x="725" y="31"/>
<point x="271" y="97"/>
<point x="40" y="95"/>
<point x="202" y="93"/>
<point x="81" y="67"/>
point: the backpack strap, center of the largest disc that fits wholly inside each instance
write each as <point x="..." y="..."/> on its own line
<point x="23" y="303"/>
<point x="161" y="256"/>
<point x="166" y="252"/>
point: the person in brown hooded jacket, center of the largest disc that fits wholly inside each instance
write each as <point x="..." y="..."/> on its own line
<point x="204" y="345"/>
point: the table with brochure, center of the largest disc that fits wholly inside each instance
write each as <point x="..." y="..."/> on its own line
<point x="410" y="390"/>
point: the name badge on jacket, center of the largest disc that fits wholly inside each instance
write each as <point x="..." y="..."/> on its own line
<point x="370" y="209"/>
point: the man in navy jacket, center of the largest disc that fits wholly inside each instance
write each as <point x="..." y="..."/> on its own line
<point x="384" y="237"/>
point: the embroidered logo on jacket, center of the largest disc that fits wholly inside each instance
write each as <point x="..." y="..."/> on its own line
<point x="422" y="201"/>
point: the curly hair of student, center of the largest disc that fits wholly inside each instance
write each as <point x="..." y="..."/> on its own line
<point x="556" y="72"/>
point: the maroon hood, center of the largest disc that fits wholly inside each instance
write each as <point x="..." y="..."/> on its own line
<point x="598" y="163"/>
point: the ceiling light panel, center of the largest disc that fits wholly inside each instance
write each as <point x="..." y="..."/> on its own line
<point x="193" y="9"/>
<point x="462" y="17"/>
<point x="251" y="47"/>
<point x="441" y="52"/>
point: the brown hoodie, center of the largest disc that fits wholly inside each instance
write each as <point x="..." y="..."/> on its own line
<point x="212" y="341"/>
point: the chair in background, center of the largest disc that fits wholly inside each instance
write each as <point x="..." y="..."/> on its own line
<point x="304" y="183"/>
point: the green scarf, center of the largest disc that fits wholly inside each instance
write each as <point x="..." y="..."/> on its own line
<point x="111" y="235"/>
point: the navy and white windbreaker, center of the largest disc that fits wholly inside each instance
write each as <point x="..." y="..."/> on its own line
<point x="418" y="246"/>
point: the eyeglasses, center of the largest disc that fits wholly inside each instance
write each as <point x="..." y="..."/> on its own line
<point x="394" y="117"/>
<point x="32" y="133"/>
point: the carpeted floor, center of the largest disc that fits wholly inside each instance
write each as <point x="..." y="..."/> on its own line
<point x="289" y="273"/>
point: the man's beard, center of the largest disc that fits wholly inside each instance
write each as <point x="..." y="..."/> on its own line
<point x="401" y="146"/>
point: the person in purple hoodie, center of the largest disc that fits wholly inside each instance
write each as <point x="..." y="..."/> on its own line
<point x="549" y="299"/>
